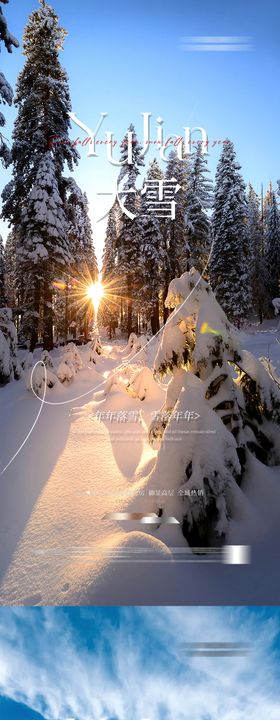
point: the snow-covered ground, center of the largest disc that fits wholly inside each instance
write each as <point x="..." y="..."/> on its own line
<point x="61" y="542"/>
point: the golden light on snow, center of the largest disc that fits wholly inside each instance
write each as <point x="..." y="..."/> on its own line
<point x="88" y="294"/>
<point x="95" y="292"/>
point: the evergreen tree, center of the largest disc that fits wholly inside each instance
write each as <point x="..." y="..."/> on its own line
<point x="10" y="367"/>
<point x="152" y="252"/>
<point x="129" y="171"/>
<point x="237" y="416"/>
<point x="6" y="93"/>
<point x="109" y="257"/>
<point x="43" y="101"/>
<point x="45" y="249"/>
<point x="177" y="242"/>
<point x="272" y="244"/>
<point x="128" y="246"/>
<point x="256" y="254"/>
<point x="84" y="265"/>
<point x="109" y="309"/>
<point x="11" y="276"/>
<point x="229" y="271"/>
<point x="199" y="201"/>
<point x="80" y="238"/>
<point x="2" y="275"/>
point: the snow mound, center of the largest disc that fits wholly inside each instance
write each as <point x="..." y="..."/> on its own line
<point x="37" y="377"/>
<point x="143" y="385"/>
<point x="72" y="356"/>
<point x="140" y="563"/>
<point x="66" y="371"/>
<point x="136" y="347"/>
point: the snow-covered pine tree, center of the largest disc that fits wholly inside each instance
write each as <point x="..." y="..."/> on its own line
<point x="6" y="93"/>
<point x="80" y="243"/>
<point x="80" y="231"/>
<point x="43" y="102"/>
<point x="272" y="244"/>
<point x="10" y="367"/>
<point x="109" y="307"/>
<point x="256" y="254"/>
<point x="199" y="202"/>
<point x="2" y="275"/>
<point x="221" y="406"/>
<point x="229" y="266"/>
<point x="128" y="252"/>
<point x="152" y="251"/>
<point x="176" y="230"/>
<point x="45" y="250"/>
<point x="109" y="256"/>
<point x="11" y="279"/>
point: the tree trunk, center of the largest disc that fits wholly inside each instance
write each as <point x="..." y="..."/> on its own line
<point x="165" y="309"/>
<point x="48" y="316"/>
<point x="129" y="306"/>
<point x="66" y="312"/>
<point x="34" y="331"/>
<point x="86" y="327"/>
<point x="155" y="318"/>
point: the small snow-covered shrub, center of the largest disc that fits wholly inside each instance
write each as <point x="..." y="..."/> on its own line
<point x="93" y="356"/>
<point x="122" y="376"/>
<point x="9" y="332"/>
<point x="143" y="385"/>
<point x="27" y="361"/>
<point x="137" y="349"/>
<point x="6" y="368"/>
<point x="36" y="378"/>
<point x="47" y="359"/>
<point x="131" y="341"/>
<point x="276" y="305"/>
<point x="71" y="356"/>
<point x="66" y="371"/>
<point x="140" y="343"/>
<point x="96" y="346"/>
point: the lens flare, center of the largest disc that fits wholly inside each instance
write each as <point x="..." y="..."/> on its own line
<point x="95" y="293"/>
<point x="206" y="329"/>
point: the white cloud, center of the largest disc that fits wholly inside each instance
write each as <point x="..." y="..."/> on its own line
<point x="45" y="663"/>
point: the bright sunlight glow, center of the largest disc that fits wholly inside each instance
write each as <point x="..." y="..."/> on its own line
<point x="95" y="293"/>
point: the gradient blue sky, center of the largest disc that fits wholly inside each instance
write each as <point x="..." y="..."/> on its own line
<point x="124" y="59"/>
<point x="127" y="664"/>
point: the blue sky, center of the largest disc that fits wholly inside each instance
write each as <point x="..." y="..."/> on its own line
<point x="125" y="59"/>
<point x="127" y="663"/>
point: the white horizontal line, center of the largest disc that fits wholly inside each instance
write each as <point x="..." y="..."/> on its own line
<point x="217" y="39"/>
<point x="217" y="48"/>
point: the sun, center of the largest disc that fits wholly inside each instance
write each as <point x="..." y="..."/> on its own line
<point x="95" y="292"/>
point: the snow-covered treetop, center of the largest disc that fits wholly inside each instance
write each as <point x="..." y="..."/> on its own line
<point x="129" y="172"/>
<point x="6" y="93"/>
<point x="43" y="24"/>
<point x="9" y="39"/>
<point x="196" y="307"/>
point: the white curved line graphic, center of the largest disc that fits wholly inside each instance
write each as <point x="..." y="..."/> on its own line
<point x="40" y="362"/>
<point x="66" y="402"/>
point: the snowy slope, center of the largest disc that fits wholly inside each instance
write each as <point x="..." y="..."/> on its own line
<point x="60" y="543"/>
